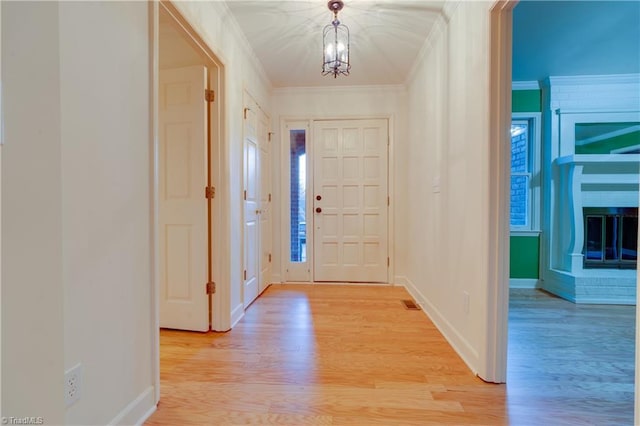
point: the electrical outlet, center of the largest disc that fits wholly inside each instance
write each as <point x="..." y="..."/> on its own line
<point x="72" y="385"/>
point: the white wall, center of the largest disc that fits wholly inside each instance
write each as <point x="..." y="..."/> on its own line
<point x="213" y="22"/>
<point x="446" y="173"/>
<point x="106" y="181"/>
<point x="32" y="284"/>
<point x="76" y="210"/>
<point x="335" y="103"/>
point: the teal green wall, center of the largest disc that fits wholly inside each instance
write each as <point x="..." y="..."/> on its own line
<point x="526" y="101"/>
<point x="524" y="257"/>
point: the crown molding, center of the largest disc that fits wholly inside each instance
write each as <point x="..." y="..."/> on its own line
<point x="525" y="85"/>
<point x="581" y="80"/>
<point x="394" y="88"/>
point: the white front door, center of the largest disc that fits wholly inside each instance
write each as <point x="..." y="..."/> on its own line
<point x="183" y="225"/>
<point x="350" y="200"/>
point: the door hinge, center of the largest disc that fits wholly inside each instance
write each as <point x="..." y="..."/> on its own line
<point x="269" y="257"/>
<point x="210" y="192"/>
<point x="269" y="197"/>
<point x="211" y="287"/>
<point x="245" y="274"/>
<point x="209" y="95"/>
<point x="388" y="201"/>
<point x="270" y="134"/>
<point x="388" y="261"/>
<point x="245" y="195"/>
<point x="245" y="112"/>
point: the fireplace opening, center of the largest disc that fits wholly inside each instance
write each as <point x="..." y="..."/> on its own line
<point x="611" y="237"/>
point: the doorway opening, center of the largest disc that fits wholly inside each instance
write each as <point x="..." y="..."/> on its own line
<point x="188" y="127"/>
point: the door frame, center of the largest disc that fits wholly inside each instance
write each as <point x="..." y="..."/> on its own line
<point x="285" y="181"/>
<point x="499" y="116"/>
<point x="217" y="216"/>
<point x="250" y="100"/>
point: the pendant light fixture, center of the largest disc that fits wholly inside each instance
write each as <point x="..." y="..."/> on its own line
<point x="335" y="44"/>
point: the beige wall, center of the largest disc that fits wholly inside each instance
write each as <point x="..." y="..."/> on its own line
<point x="32" y="282"/>
<point x="446" y="207"/>
<point x="76" y="210"/>
<point x="106" y="181"/>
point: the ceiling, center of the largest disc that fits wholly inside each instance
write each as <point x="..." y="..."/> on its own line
<point x="286" y="36"/>
<point x="564" y="38"/>
<point x="550" y="38"/>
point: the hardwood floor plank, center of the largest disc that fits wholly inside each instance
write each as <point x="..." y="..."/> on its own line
<point x="352" y="355"/>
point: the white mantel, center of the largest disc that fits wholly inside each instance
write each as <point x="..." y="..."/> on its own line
<point x="574" y="181"/>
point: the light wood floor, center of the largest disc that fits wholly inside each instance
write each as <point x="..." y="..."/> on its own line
<point x="339" y="355"/>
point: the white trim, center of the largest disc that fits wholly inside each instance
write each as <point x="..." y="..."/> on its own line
<point x="294" y="271"/>
<point x="391" y="173"/>
<point x="595" y="300"/>
<point x="284" y="182"/>
<point x="535" y="147"/>
<point x="637" y="347"/>
<point x="626" y="149"/>
<point x="524" y="283"/>
<point x="499" y="116"/>
<point x="342" y="89"/>
<point x="533" y="233"/>
<point x="154" y="234"/>
<point x="436" y="30"/>
<point x="138" y="410"/>
<point x="236" y="315"/>
<point x="228" y="17"/>
<point x="580" y="80"/>
<point x="525" y="85"/>
<point x="459" y="344"/>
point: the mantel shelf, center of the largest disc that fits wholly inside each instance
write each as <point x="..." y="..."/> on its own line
<point x="580" y="159"/>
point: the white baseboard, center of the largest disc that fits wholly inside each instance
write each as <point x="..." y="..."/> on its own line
<point x="237" y="314"/>
<point x="459" y="344"/>
<point x="401" y="280"/>
<point x="524" y="283"/>
<point x="138" y="410"/>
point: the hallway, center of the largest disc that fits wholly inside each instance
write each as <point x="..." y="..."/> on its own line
<point x="343" y="355"/>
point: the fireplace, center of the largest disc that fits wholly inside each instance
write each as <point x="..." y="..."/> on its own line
<point x="610" y="237"/>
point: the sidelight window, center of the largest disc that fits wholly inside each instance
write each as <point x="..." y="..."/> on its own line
<point x="297" y="195"/>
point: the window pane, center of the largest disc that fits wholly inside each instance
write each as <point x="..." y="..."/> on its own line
<point x="629" y="238"/>
<point x="519" y="147"/>
<point x="593" y="238"/>
<point x="611" y="237"/>
<point x="297" y="195"/>
<point x="519" y="200"/>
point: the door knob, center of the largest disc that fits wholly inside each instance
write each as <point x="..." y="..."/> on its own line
<point x="318" y="210"/>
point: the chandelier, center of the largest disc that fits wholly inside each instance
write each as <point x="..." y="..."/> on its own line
<point x="335" y="44"/>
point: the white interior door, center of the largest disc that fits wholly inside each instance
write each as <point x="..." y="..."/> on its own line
<point x="350" y="200"/>
<point x="265" y="200"/>
<point x="183" y="226"/>
<point x="251" y="205"/>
